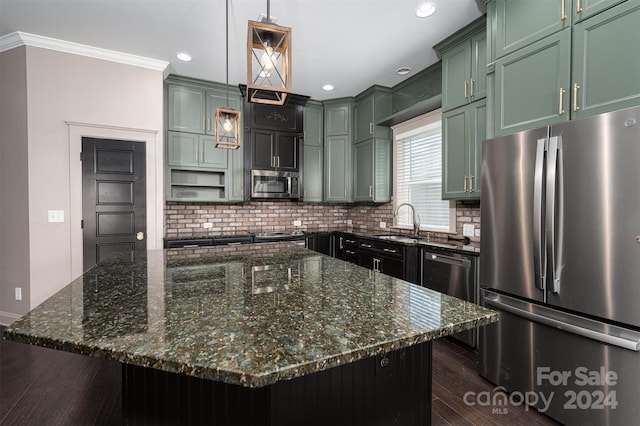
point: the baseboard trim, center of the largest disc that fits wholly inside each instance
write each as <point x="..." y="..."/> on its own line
<point x="7" y="318"/>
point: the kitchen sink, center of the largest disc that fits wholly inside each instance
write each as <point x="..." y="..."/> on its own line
<point x="411" y="239"/>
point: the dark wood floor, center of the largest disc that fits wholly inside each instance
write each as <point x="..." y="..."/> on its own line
<point x="41" y="386"/>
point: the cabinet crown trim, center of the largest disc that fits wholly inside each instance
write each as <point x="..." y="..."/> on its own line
<point x="475" y="27"/>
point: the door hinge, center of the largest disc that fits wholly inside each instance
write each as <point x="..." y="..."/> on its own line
<point x="81" y="223"/>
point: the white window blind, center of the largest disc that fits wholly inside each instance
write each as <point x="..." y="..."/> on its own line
<point x="419" y="177"/>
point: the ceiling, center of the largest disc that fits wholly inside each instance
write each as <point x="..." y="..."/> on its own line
<point x="350" y="44"/>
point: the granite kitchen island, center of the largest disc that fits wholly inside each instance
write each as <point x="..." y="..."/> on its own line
<point x="255" y="334"/>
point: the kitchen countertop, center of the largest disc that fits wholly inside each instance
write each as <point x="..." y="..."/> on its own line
<point x="250" y="315"/>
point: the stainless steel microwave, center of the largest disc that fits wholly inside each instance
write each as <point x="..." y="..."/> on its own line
<point x="275" y="184"/>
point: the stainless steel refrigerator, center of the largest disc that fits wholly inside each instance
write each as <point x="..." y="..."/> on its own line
<point x="560" y="260"/>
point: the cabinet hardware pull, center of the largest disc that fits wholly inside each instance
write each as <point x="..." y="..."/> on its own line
<point x="365" y="245"/>
<point x="390" y="250"/>
<point x="350" y="241"/>
<point x="370" y="190"/>
<point x="341" y="246"/>
<point x="471" y="94"/>
<point x="563" y="12"/>
<point x="575" y="97"/>
<point x="208" y="124"/>
<point x="278" y="163"/>
<point x="203" y="123"/>
<point x="578" y="6"/>
<point x="465" y="89"/>
<point x="471" y="183"/>
<point x="345" y="192"/>
<point x="273" y="161"/>
<point x="350" y="252"/>
<point x="370" y="128"/>
<point x="560" y="109"/>
<point x="465" y="183"/>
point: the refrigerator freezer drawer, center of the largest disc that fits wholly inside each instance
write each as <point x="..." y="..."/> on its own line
<point x="584" y="380"/>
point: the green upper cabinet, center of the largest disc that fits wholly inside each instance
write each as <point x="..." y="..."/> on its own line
<point x="191" y="150"/>
<point x="464" y="65"/>
<point x="313" y="152"/>
<point x="186" y="106"/>
<point x="523" y="22"/>
<point x="337" y="118"/>
<point x="583" y="9"/>
<point x="463" y="131"/>
<point x="532" y="85"/>
<point x="338" y="180"/>
<point x="372" y="106"/>
<point x="606" y="61"/>
<point x="337" y="169"/>
<point x="372" y="170"/>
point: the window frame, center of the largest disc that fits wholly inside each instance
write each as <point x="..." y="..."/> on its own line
<point x="407" y="129"/>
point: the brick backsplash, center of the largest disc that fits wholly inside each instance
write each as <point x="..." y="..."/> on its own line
<point x="187" y="220"/>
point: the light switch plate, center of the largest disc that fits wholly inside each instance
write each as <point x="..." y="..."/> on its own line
<point x="56" y="216"/>
<point x="468" y="230"/>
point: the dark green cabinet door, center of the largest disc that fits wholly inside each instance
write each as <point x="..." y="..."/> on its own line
<point x="478" y="79"/>
<point x="313" y="124"/>
<point x="312" y="179"/>
<point x="523" y="22"/>
<point x="382" y="176"/>
<point x="478" y="133"/>
<point x="363" y="118"/>
<point x="183" y="149"/>
<point x="583" y="9"/>
<point x="286" y="151"/>
<point x="363" y="171"/>
<point x="455" y="131"/>
<point x="532" y="85"/>
<point x="186" y="109"/>
<point x="337" y="168"/>
<point x="456" y="69"/>
<point x="337" y="119"/>
<point x="606" y="61"/>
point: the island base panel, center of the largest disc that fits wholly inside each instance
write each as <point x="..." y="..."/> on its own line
<point x="362" y="392"/>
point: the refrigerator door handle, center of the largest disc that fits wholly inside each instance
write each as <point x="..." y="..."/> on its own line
<point x="550" y="220"/>
<point x="610" y="334"/>
<point x="538" y="235"/>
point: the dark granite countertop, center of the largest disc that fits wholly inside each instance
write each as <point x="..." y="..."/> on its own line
<point x="250" y="315"/>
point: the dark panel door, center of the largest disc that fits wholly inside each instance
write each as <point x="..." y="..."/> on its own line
<point x="287" y="151"/>
<point x="113" y="198"/>
<point x="263" y="154"/>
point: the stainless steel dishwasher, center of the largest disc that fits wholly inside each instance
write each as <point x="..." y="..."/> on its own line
<point x="453" y="274"/>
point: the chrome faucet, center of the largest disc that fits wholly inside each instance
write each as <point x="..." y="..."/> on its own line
<point x="416" y="218"/>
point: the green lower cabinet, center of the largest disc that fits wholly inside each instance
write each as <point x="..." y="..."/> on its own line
<point x="372" y="171"/>
<point x="312" y="178"/>
<point x="532" y="85"/>
<point x="337" y="169"/>
<point x="463" y="131"/>
<point x="606" y="61"/>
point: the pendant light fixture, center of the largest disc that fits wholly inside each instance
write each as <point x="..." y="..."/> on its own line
<point x="268" y="61"/>
<point x="227" y="120"/>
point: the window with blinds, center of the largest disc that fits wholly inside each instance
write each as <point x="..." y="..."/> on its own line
<point x="418" y="180"/>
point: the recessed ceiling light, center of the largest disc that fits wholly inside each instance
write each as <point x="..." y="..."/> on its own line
<point x="328" y="87"/>
<point x="403" y="71"/>
<point x="184" y="57"/>
<point x="425" y="9"/>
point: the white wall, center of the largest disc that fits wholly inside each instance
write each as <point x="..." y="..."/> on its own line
<point x="66" y="88"/>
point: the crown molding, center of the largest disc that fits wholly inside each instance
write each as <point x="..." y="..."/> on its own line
<point x="18" y="38"/>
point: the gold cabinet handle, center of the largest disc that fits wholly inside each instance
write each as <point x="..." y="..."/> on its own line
<point x="208" y="124"/>
<point x="370" y="128"/>
<point x="471" y="94"/>
<point x="370" y="190"/>
<point x="578" y="6"/>
<point x="465" y="89"/>
<point x="345" y="192"/>
<point x="563" y="11"/>
<point x="471" y="184"/>
<point x="465" y="183"/>
<point x="560" y="108"/>
<point x="575" y="97"/>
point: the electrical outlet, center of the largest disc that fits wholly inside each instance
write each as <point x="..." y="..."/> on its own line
<point x="349" y="222"/>
<point x="56" y="216"/>
<point x="468" y="230"/>
<point x="297" y="223"/>
<point x="207" y="225"/>
<point x="383" y="224"/>
<point x="18" y="293"/>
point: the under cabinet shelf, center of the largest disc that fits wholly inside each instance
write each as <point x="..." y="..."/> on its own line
<point x="192" y="185"/>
